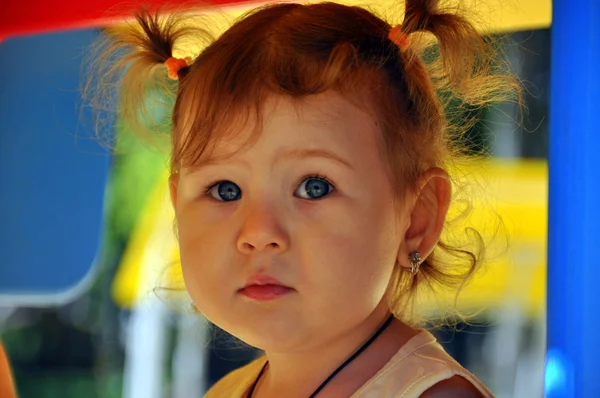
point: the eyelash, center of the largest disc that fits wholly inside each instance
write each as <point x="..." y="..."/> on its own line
<point x="317" y="177"/>
<point x="322" y="177"/>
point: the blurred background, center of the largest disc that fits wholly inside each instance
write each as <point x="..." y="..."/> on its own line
<point x="110" y="330"/>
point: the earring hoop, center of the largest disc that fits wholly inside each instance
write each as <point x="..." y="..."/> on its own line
<point x="415" y="262"/>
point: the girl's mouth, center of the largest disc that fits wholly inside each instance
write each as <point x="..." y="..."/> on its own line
<point x="265" y="292"/>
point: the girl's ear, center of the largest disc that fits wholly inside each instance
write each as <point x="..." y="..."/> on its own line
<point x="428" y="215"/>
<point x="173" y="185"/>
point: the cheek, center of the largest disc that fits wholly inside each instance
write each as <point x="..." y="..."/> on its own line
<point x="351" y="258"/>
<point x="204" y="251"/>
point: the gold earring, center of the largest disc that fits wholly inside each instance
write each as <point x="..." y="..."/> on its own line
<point x="415" y="262"/>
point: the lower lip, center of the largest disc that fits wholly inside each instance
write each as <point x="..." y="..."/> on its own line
<point x="265" y="292"/>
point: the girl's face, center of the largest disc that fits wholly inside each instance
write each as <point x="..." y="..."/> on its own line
<point x="309" y="204"/>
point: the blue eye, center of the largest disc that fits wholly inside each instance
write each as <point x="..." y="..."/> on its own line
<point x="225" y="191"/>
<point x="314" y="188"/>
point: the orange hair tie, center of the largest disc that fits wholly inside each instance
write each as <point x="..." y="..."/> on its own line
<point x="400" y="38"/>
<point x="174" y="65"/>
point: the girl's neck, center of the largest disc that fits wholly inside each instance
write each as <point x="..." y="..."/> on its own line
<point x="298" y="374"/>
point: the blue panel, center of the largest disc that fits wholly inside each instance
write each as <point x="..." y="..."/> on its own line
<point x="574" y="202"/>
<point x="52" y="175"/>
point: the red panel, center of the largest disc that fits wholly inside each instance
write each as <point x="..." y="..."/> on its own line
<point x="19" y="17"/>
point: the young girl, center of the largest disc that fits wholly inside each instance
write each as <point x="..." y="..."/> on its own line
<point x="309" y="152"/>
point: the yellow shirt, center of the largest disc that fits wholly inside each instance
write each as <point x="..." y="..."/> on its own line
<point x="417" y="366"/>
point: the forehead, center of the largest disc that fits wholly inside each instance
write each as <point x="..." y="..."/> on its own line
<point x="323" y="121"/>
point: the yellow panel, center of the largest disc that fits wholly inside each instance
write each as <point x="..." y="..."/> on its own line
<point x="489" y="15"/>
<point x="125" y="289"/>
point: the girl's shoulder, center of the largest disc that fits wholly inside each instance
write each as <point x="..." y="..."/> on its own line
<point x="237" y="382"/>
<point x="422" y="368"/>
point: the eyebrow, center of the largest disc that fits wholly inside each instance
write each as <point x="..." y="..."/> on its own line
<point x="312" y="153"/>
<point x="292" y="154"/>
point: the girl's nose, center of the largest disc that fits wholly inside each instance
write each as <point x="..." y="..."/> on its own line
<point x="262" y="230"/>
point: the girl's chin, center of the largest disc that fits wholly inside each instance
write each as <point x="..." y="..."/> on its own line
<point x="270" y="338"/>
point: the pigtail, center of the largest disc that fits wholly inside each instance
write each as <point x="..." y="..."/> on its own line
<point x="155" y="41"/>
<point x="468" y="65"/>
<point x="130" y="68"/>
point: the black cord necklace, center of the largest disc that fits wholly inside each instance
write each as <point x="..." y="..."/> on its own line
<point x="342" y="366"/>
